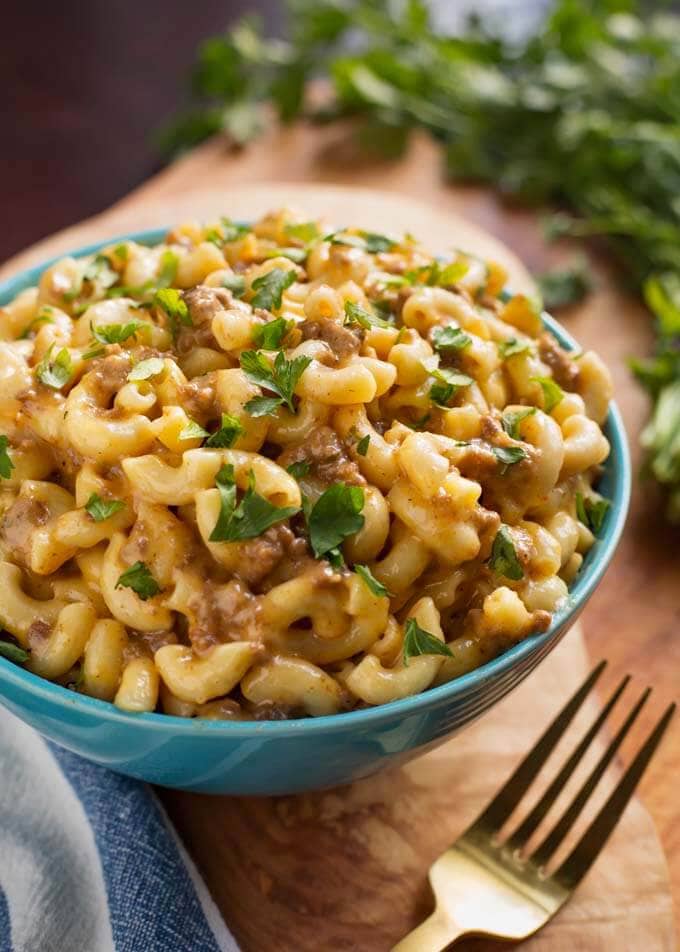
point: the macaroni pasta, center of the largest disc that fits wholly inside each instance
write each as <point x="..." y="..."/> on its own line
<point x="276" y="470"/>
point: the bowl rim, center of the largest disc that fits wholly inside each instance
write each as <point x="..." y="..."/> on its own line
<point x="579" y="593"/>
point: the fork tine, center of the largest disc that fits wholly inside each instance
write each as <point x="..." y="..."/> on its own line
<point x="507" y="798"/>
<point x="541" y="856"/>
<point x="581" y="858"/>
<point x="531" y="823"/>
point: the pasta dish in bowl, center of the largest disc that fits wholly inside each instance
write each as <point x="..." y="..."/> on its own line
<point x="255" y="473"/>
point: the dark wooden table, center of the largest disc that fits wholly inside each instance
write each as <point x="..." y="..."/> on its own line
<point x="84" y="85"/>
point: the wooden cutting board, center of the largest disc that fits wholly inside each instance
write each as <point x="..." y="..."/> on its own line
<point x="346" y="869"/>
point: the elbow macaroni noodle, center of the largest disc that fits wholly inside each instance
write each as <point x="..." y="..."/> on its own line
<point x="182" y="425"/>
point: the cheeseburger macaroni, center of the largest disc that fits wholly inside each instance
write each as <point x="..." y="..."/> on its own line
<point x="276" y="470"/>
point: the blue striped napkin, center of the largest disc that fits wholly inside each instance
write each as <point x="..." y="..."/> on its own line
<point x="89" y="862"/>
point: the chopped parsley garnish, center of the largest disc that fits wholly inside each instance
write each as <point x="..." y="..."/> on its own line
<point x="173" y="305"/>
<point x="448" y="383"/>
<point x="418" y="641"/>
<point x="508" y="455"/>
<point x="263" y="406"/>
<point x="13" y="652"/>
<point x="99" y="271"/>
<point x="281" y="378"/>
<point x="512" y="418"/>
<point x="55" y="373"/>
<point x="334" y="516"/>
<point x="230" y="430"/>
<point x="44" y="316"/>
<point x="140" y="580"/>
<point x="193" y="431"/>
<point x="269" y="336"/>
<point x="591" y="512"/>
<point x="295" y="254"/>
<point x="552" y="392"/>
<point x="269" y="288"/>
<point x="306" y="231"/>
<point x="121" y="251"/>
<point x="233" y="230"/>
<point x="513" y="346"/>
<point x="434" y="275"/>
<point x="371" y="582"/>
<point x="299" y="469"/>
<point x="362" y="444"/>
<point x="117" y="333"/>
<point x="376" y="243"/>
<point x="235" y="283"/>
<point x="145" y="369"/>
<point x="449" y="339"/>
<point x="504" y="559"/>
<point x="6" y="464"/>
<point x="169" y="263"/>
<point x="101" y="509"/>
<point x="253" y="515"/>
<point x="356" y="314"/>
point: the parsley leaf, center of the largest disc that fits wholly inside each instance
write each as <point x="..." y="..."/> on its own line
<point x="591" y="512"/>
<point x="235" y="283"/>
<point x="145" y="369"/>
<point x="13" y="652"/>
<point x="362" y="444"/>
<point x="449" y="382"/>
<point x="270" y="336"/>
<point x="295" y="254"/>
<point x="513" y="346"/>
<point x="263" y="406"/>
<point x="193" y="431"/>
<point x="101" y="509"/>
<point x="306" y="231"/>
<point x="253" y="515"/>
<point x="335" y="515"/>
<point x="281" y="378"/>
<point x="269" y="288"/>
<point x="55" y="373"/>
<point x="6" y="464"/>
<point x="299" y="469"/>
<point x="169" y="263"/>
<point x="508" y="455"/>
<point x="504" y="559"/>
<point x="552" y="392"/>
<point x="233" y="230"/>
<point x="356" y="314"/>
<point x="418" y="641"/>
<point x="140" y="580"/>
<point x="173" y="305"/>
<point x="44" y="316"/>
<point x="449" y="339"/>
<point x="99" y="271"/>
<point x="512" y="418"/>
<point x="230" y="430"/>
<point x="372" y="583"/>
<point x="376" y="243"/>
<point x="117" y="333"/>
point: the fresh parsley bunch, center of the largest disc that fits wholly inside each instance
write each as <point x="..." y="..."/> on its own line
<point x="584" y="113"/>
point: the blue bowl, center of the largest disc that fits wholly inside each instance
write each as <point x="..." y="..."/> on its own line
<point x="282" y="757"/>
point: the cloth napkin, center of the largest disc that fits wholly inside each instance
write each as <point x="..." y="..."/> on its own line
<point x="89" y="861"/>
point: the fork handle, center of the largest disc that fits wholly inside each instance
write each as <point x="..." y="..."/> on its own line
<point x="435" y="934"/>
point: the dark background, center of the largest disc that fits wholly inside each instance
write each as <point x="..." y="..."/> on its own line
<point x="84" y="84"/>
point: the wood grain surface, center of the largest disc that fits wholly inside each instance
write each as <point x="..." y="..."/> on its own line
<point x="346" y="870"/>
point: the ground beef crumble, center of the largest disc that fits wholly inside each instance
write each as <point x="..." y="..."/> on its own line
<point x="328" y="458"/>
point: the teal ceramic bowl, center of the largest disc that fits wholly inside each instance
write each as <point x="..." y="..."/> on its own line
<point x="281" y="757"/>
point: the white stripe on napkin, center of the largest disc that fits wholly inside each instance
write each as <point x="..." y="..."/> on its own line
<point x="50" y="870"/>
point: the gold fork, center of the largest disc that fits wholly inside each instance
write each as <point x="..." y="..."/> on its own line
<point x="485" y="887"/>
